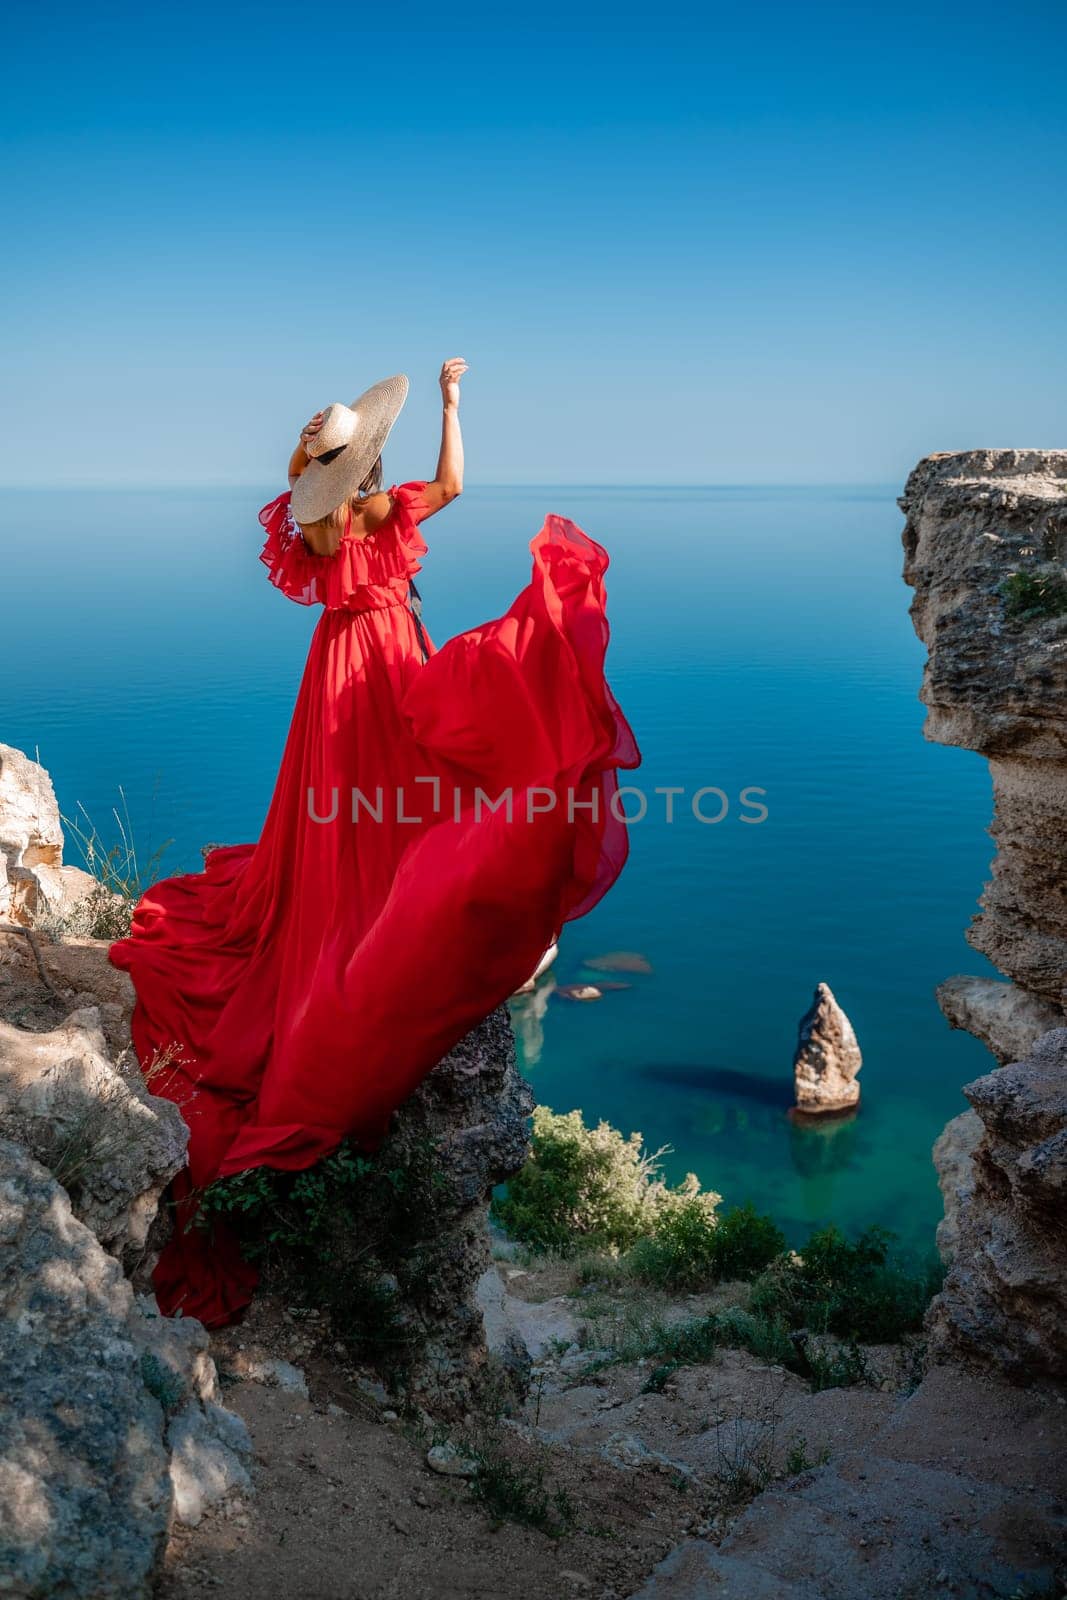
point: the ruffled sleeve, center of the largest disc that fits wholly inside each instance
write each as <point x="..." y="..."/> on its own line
<point x="409" y="509"/>
<point x="412" y="499"/>
<point x="291" y="566"/>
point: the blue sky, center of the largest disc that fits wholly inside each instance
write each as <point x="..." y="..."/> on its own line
<point x="784" y="244"/>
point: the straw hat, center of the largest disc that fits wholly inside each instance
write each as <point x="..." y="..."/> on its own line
<point x="345" y="448"/>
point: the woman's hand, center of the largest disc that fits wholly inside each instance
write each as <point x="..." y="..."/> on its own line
<point x="451" y="373"/>
<point x="301" y="455"/>
<point x="311" y="428"/>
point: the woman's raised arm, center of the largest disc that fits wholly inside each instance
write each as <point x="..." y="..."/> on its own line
<point x="448" y="480"/>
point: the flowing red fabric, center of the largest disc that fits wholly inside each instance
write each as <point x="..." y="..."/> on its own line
<point x="433" y="826"/>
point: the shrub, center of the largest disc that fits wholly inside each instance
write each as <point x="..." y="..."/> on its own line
<point x="513" y="1492"/>
<point x="766" y="1338"/>
<point x="122" y="872"/>
<point x="690" y="1247"/>
<point x="589" y="1187"/>
<point x="338" y="1236"/>
<point x="679" y="1253"/>
<point x="1032" y="595"/>
<point x="745" y="1242"/>
<point x="857" y="1290"/>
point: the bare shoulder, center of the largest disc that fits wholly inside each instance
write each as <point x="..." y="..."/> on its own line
<point x="373" y="511"/>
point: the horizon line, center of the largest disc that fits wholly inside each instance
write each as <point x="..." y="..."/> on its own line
<point x="554" y="483"/>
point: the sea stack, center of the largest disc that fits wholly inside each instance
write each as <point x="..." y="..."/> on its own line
<point x="827" y="1059"/>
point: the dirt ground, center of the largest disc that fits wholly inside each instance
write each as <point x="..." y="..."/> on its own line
<point x="347" y="1509"/>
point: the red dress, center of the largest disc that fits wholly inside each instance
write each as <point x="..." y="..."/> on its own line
<point x="300" y="988"/>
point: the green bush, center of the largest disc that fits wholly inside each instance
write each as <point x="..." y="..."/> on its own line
<point x="690" y="1247"/>
<point x="745" y="1242"/>
<point x="679" y="1253"/>
<point x="857" y="1290"/>
<point x="1033" y="595"/>
<point x="588" y="1188"/>
<point x="345" y="1236"/>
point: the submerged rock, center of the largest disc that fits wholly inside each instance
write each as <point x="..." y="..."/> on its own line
<point x="619" y="961"/>
<point x="827" y="1058"/>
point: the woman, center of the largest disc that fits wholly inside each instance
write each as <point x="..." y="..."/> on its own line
<point x="438" y="816"/>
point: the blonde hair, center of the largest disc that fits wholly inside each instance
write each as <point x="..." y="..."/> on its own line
<point x="335" y="521"/>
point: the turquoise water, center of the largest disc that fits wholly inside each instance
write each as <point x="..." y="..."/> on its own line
<point x="760" y="638"/>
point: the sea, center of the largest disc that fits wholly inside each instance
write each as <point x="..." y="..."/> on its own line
<point x="762" y="651"/>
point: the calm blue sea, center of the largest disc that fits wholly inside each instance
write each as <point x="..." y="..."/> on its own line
<point x="760" y="638"/>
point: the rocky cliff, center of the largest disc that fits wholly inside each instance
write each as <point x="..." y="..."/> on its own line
<point x="113" y="1432"/>
<point x="985" y="544"/>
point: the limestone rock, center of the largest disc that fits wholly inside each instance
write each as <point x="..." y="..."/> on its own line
<point x="112" y="1423"/>
<point x="31" y="836"/>
<point x="1007" y="1019"/>
<point x="112" y="1144"/>
<point x="1005" y="1297"/>
<point x="274" y="1372"/>
<point x="979" y="525"/>
<point x="450" y="1462"/>
<point x="827" y="1058"/>
<point x="953" y="1158"/>
<point x="85" y="1493"/>
<point x="474" y="1107"/>
<point x="209" y="1448"/>
<point x="33" y="878"/>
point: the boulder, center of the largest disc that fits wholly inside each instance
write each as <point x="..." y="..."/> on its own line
<point x="827" y="1058"/>
<point x="33" y="877"/>
<point x="1005" y="1297"/>
<point x="111" y="1425"/>
<point x="208" y="1447"/>
<point x="85" y="1491"/>
<point x="95" y="1126"/>
<point x="473" y="1111"/>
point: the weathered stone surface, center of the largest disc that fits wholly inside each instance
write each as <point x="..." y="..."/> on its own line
<point x="1005" y="1297"/>
<point x="474" y="1108"/>
<point x="1007" y="1019"/>
<point x="827" y="1058"/>
<point x="85" y="1494"/>
<point x="974" y="519"/>
<point x="996" y="679"/>
<point x="33" y="878"/>
<point x="953" y="1158"/>
<point x="112" y="1144"/>
<point x="960" y="1490"/>
<point x="208" y="1447"/>
<point x="111" y="1424"/>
